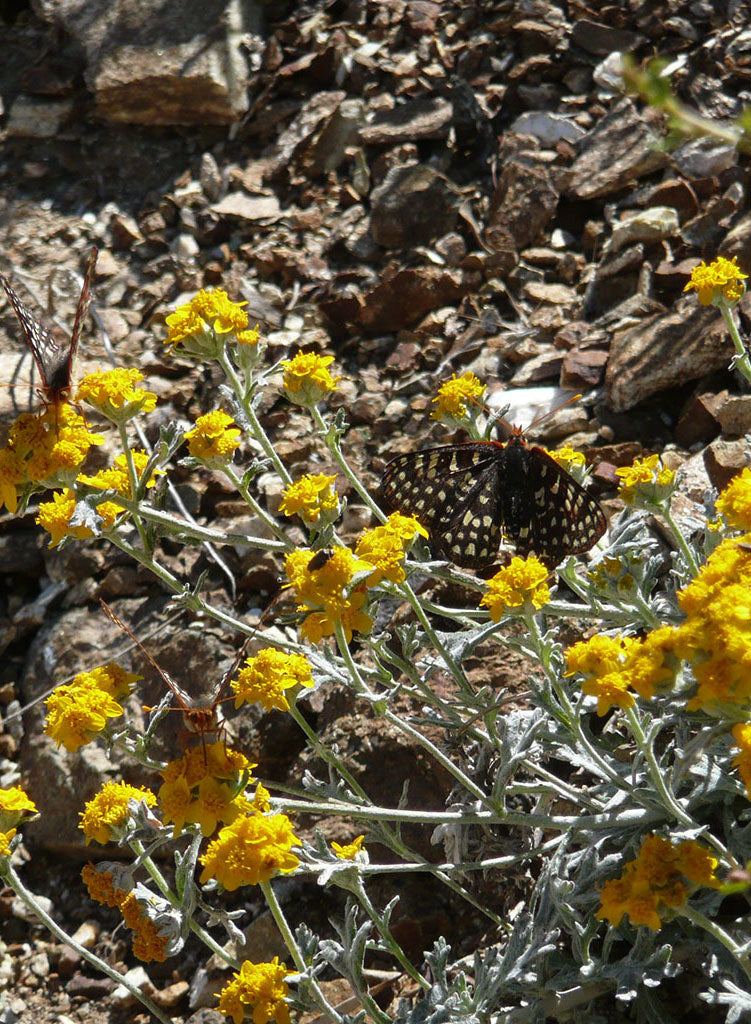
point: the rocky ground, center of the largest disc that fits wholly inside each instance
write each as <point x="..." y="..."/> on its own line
<point x="415" y="188"/>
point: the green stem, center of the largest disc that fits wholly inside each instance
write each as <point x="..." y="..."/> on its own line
<point x="680" y="540"/>
<point x="388" y="939"/>
<point x="13" y="880"/>
<point x="133" y="477"/>
<point x="195" y="532"/>
<point x="289" y="940"/>
<point x="262" y="514"/>
<point x="456" y="671"/>
<point x="243" y="397"/>
<point x="741" y="361"/>
<point x="713" y="929"/>
<point x="335" y="449"/>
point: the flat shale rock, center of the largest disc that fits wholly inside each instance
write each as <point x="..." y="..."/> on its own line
<point x="620" y="149"/>
<point x="665" y="351"/>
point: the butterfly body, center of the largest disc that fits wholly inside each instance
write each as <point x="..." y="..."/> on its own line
<point x="54" y="361"/>
<point x="469" y="495"/>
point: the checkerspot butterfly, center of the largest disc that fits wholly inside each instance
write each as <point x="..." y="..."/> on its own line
<point x="468" y="495"/>
<point x="54" y="361"/>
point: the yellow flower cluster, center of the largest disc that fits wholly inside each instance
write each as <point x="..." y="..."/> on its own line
<point x="647" y="481"/>
<point x="212" y="439"/>
<point x="307" y="378"/>
<point x="250" y="850"/>
<point x="260" y="987"/>
<point x="350" y="850"/>
<point x="734" y="504"/>
<point x="455" y="395"/>
<point x="611" y="665"/>
<point x="385" y="547"/>
<point x="716" y="636"/>
<point x="202" y="786"/>
<point x="115" y="395"/>
<point x="15" y="807"/>
<point x="265" y="676"/>
<point x="328" y="591"/>
<point x="657" y="882"/>
<point x="200" y="323"/>
<point x="148" y="944"/>
<point x="78" y="711"/>
<point x="55" y="516"/>
<point x="312" y="497"/>
<point x="720" y="281"/>
<point x="41" y="448"/>
<point x="106" y="814"/>
<point x="520" y="586"/>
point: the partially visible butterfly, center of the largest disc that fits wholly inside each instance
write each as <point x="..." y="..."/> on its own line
<point x="201" y="719"/>
<point x="468" y="495"/>
<point x="54" y="360"/>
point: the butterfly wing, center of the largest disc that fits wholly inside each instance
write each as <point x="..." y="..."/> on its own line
<point x="454" y="492"/>
<point x="545" y="511"/>
<point x="45" y="350"/>
<point x="54" y="361"/>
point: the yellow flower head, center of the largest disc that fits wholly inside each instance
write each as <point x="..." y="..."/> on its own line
<point x="260" y="988"/>
<point x="646" y="482"/>
<point x="350" y="850"/>
<point x="115" y="395"/>
<point x="385" y="547"/>
<point x="55" y="516"/>
<point x="113" y="679"/>
<point x="716" y="283"/>
<point x="108" y="883"/>
<point x="456" y="395"/>
<point x="11" y="475"/>
<point x="106" y="813"/>
<point x="212" y="438"/>
<point x="734" y="503"/>
<point x="117" y="477"/>
<point x="326" y="585"/>
<point x="78" y="711"/>
<point x="15" y="807"/>
<point x="209" y="313"/>
<point x="204" y="787"/>
<point x="329" y="588"/>
<point x="312" y="497"/>
<point x="520" y="586"/>
<point x="5" y="840"/>
<point x="605" y="663"/>
<point x="307" y="378"/>
<point x="46" y="447"/>
<point x="656" y="879"/>
<point x="149" y="944"/>
<point x="251" y="850"/>
<point x="264" y="678"/>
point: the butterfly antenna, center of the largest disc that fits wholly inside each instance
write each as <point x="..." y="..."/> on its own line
<point x="84" y="300"/>
<point x="151" y="660"/>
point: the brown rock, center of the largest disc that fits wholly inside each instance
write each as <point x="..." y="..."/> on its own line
<point x="734" y="415"/>
<point x="665" y="351"/>
<point x="413" y="205"/>
<point x="524" y="201"/>
<point x="724" y="460"/>
<point x="698" y="421"/>
<point x="583" y="369"/>
<point x="427" y="117"/>
<point x="405" y="296"/>
<point x="618" y="150"/>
